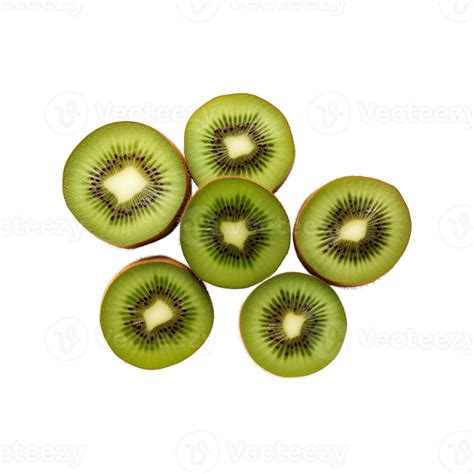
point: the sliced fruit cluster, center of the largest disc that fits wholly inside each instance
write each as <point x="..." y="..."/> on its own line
<point x="129" y="185"/>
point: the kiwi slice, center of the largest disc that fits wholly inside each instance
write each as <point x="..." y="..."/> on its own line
<point x="156" y="313"/>
<point x="352" y="230"/>
<point x="239" y="135"/>
<point x="293" y="324"/>
<point x="234" y="233"/>
<point x="126" y="183"/>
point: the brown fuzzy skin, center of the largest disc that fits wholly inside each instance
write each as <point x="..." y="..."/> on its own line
<point x="172" y="225"/>
<point x="280" y="184"/>
<point x="311" y="269"/>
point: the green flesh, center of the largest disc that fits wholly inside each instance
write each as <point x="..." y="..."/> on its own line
<point x="319" y="230"/>
<point x="148" y="155"/>
<point x="134" y="292"/>
<point x="259" y="233"/>
<point x="270" y="156"/>
<point x="316" y="341"/>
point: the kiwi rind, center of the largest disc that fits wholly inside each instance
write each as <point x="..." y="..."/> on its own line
<point x="173" y="223"/>
<point x="170" y="261"/>
<point x="318" y="360"/>
<point x="218" y="281"/>
<point x="153" y="259"/>
<point x="311" y="269"/>
<point x="242" y="97"/>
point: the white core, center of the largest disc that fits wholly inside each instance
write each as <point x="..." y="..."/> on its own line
<point x="157" y="314"/>
<point x="292" y="324"/>
<point x="238" y="145"/>
<point x="354" y="230"/>
<point x="235" y="233"/>
<point x="125" y="184"/>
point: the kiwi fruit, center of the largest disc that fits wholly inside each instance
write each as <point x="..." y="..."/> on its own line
<point x="156" y="313"/>
<point x="126" y="183"/>
<point x="239" y="135"/>
<point x="352" y="230"/>
<point x="234" y="233"/>
<point x="293" y="324"/>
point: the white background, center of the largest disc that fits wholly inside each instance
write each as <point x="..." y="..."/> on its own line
<point x="382" y="89"/>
